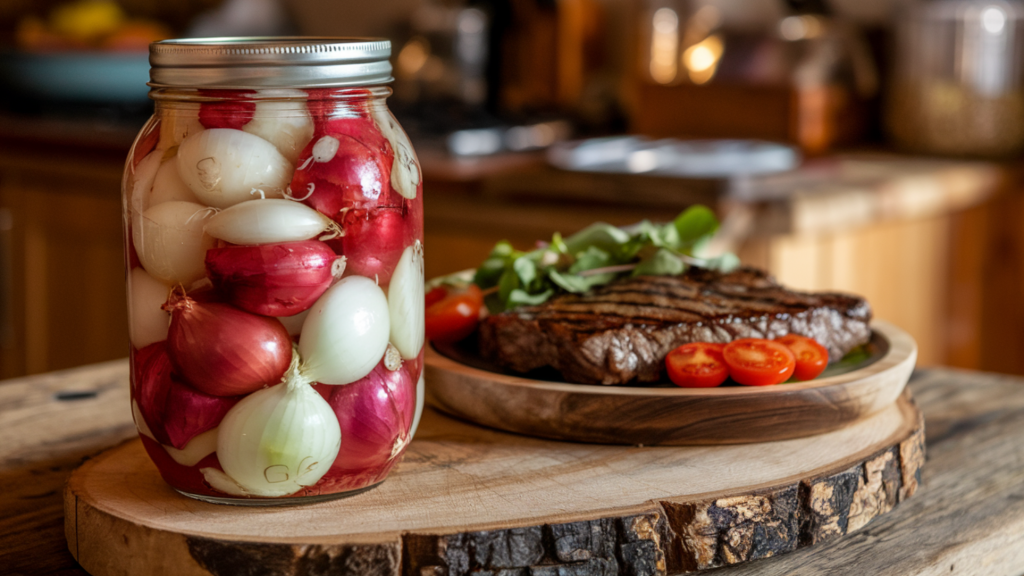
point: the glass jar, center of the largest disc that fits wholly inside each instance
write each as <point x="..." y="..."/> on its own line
<point x="273" y="216"/>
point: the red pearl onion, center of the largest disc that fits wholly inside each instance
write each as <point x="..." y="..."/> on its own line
<point x="337" y="171"/>
<point x="222" y="350"/>
<point x="373" y="242"/>
<point x="226" y="114"/>
<point x="415" y="366"/>
<point x="185" y="478"/>
<point x="414" y="217"/>
<point x="273" y="279"/>
<point x="363" y="129"/>
<point x="174" y="411"/>
<point x="347" y="115"/>
<point x="151" y="372"/>
<point x="375" y="414"/>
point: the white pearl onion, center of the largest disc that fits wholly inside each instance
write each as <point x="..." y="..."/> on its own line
<point x="406" y="302"/>
<point x="267" y="222"/>
<point x="147" y="322"/>
<point x="405" y="170"/>
<point x="223" y="167"/>
<point x="275" y="441"/>
<point x="170" y="242"/>
<point x="285" y="124"/>
<point x="346" y="332"/>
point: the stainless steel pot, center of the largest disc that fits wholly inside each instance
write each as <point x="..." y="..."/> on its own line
<point x="957" y="85"/>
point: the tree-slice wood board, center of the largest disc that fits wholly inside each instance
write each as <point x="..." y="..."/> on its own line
<point x="469" y="500"/>
<point x="465" y="386"/>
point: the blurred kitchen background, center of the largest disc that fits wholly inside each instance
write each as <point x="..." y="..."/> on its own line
<point x="870" y="146"/>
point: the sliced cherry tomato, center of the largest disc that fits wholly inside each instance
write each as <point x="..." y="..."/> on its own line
<point x="697" y="365"/>
<point x="757" y="362"/>
<point x="455" y="315"/>
<point x="811" y="357"/>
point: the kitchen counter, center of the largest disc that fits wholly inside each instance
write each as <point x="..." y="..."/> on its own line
<point x="933" y="244"/>
<point x="966" y="518"/>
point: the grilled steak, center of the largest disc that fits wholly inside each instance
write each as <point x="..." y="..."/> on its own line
<point x="622" y="332"/>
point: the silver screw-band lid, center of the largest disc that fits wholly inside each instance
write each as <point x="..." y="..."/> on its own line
<point x="269" y="62"/>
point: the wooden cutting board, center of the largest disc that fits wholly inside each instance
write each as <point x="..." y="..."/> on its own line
<point x="473" y="500"/>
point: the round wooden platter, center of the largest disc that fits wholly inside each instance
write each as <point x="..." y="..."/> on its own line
<point x="465" y="386"/>
<point x="469" y="500"/>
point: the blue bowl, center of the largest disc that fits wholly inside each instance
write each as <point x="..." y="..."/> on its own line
<point x="94" y="77"/>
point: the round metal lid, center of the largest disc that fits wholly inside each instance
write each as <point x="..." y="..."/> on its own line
<point x="269" y="62"/>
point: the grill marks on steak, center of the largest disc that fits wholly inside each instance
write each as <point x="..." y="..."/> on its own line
<point x="622" y="332"/>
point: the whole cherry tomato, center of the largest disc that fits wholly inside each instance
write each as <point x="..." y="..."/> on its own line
<point x="452" y="314"/>
<point x="758" y="362"/>
<point x="811" y="357"/>
<point x="697" y="365"/>
<point x="436" y="295"/>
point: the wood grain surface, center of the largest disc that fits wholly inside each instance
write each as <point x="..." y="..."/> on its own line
<point x="49" y="424"/>
<point x="671" y="416"/>
<point x="468" y="499"/>
<point x="966" y="519"/>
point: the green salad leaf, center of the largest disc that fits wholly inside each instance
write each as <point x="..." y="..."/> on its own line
<point x="694" y="225"/>
<point x="663" y="263"/>
<point x="597" y="255"/>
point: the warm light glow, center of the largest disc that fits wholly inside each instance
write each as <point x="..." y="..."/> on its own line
<point x="413" y="56"/>
<point x="701" y="59"/>
<point x="664" y="45"/>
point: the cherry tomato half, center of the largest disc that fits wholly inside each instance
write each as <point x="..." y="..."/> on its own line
<point x="454" y="315"/>
<point x="811" y="357"/>
<point x="697" y="365"/>
<point x="757" y="362"/>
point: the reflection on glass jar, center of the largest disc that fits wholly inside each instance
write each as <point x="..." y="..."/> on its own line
<point x="273" y="211"/>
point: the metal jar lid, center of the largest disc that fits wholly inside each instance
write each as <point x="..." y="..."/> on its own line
<point x="269" y="62"/>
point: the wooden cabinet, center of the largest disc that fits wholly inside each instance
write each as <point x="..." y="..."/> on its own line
<point x="63" y="270"/>
<point x="986" y="284"/>
<point x="901" y="267"/>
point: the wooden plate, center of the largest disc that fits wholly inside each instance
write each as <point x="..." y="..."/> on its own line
<point x="463" y="385"/>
